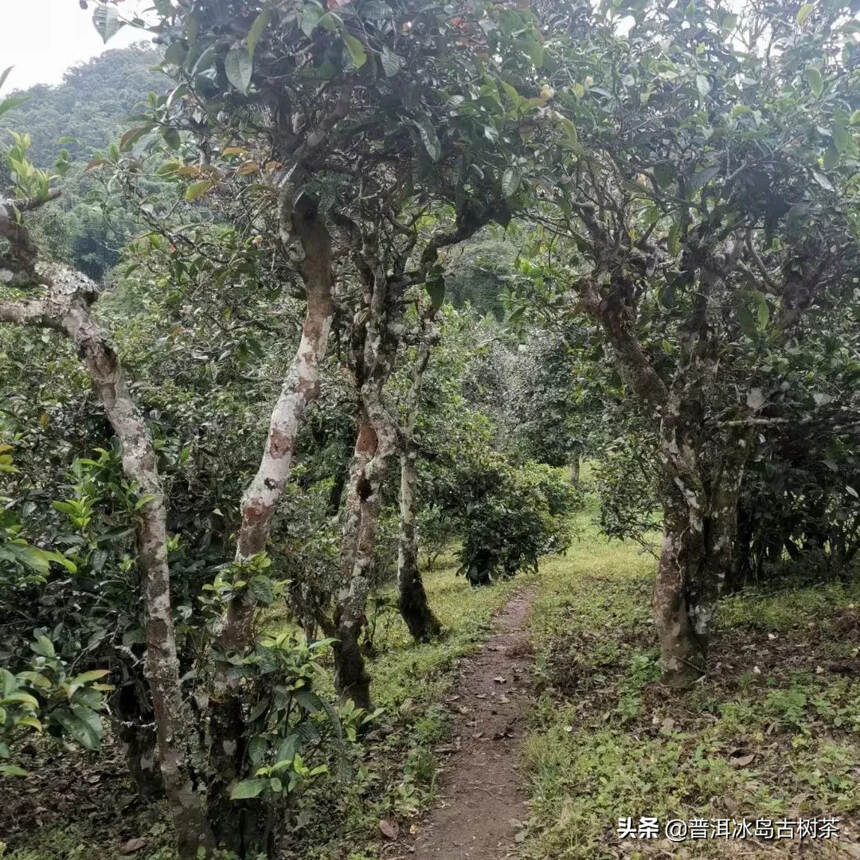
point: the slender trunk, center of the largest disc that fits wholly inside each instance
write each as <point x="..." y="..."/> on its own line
<point x="375" y="342"/>
<point x="411" y="597"/>
<point x="301" y="386"/>
<point x="161" y="663"/>
<point x="135" y="727"/>
<point x="682" y="649"/>
<point x="374" y="446"/>
<point x="574" y="470"/>
<point x="66" y="309"/>
<point x="244" y="827"/>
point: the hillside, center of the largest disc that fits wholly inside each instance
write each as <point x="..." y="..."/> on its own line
<point x="89" y="107"/>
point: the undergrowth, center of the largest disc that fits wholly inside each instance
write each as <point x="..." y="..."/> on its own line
<point x="772" y="732"/>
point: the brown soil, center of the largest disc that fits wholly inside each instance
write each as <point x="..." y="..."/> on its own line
<point x="482" y="800"/>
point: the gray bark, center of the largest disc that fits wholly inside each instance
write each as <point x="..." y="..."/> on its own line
<point x="411" y="596"/>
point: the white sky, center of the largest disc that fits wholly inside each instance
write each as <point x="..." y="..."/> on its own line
<point x="43" y="38"/>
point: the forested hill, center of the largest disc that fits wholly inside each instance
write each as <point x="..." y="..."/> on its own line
<point x="90" y="106"/>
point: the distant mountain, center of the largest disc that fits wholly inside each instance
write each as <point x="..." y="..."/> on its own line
<point x="90" y="105"/>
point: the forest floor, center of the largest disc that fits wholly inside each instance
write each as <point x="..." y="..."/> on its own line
<point x="773" y="732"/>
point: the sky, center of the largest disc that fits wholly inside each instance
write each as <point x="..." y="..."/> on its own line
<point x="43" y="38"/>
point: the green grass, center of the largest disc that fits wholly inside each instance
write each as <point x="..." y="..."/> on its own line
<point x="607" y="741"/>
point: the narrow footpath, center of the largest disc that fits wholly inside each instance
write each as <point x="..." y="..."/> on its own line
<point x="482" y="796"/>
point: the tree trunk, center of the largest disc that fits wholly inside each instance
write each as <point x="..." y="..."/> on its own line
<point x="411" y="597"/>
<point x="697" y="559"/>
<point x="682" y="649"/>
<point x="162" y="663"/>
<point x="301" y="386"/>
<point x="66" y="309"/>
<point x="244" y="827"/>
<point x="135" y="727"/>
<point x="574" y="470"/>
<point x="374" y="446"/>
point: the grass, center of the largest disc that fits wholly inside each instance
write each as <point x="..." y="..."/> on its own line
<point x="773" y="732"/>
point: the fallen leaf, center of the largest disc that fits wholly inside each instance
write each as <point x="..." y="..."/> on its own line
<point x="389" y="829"/>
<point x="133" y="845"/>
<point x="743" y="760"/>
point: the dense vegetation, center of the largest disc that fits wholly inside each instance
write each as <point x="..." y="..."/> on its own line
<point x="303" y="301"/>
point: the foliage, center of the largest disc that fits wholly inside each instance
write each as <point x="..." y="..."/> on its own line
<point x="508" y="517"/>
<point x="49" y="696"/>
<point x="626" y="482"/>
<point x="89" y="108"/>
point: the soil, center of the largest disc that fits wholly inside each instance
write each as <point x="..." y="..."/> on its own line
<point x="482" y="797"/>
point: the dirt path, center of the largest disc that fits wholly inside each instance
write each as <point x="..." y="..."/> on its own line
<point x="482" y="797"/>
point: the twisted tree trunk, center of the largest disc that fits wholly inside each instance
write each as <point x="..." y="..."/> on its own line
<point x="66" y="309"/>
<point x="242" y="826"/>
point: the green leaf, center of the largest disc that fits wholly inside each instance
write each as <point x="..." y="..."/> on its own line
<point x="238" y="66"/>
<point x="830" y="158"/>
<point x="311" y="15"/>
<point x="82" y="723"/>
<point x="106" y="21"/>
<point x="5" y="74"/>
<point x="132" y="136"/>
<point x="171" y="137"/>
<point x="197" y="189"/>
<point x="703" y="85"/>
<point x="21" y="698"/>
<point x="763" y="311"/>
<point x="43" y="647"/>
<point x="510" y="181"/>
<point x="92" y="675"/>
<point x="256" y="30"/>
<point x="12" y="770"/>
<point x="262" y="589"/>
<point x="355" y="49"/>
<point x="429" y="138"/>
<point x="569" y="130"/>
<point x="247" y="789"/>
<point x="175" y="54"/>
<point x="842" y="139"/>
<point x="816" y="83"/>
<point x="803" y="13"/>
<point x="391" y="63"/>
<point x="11" y="102"/>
